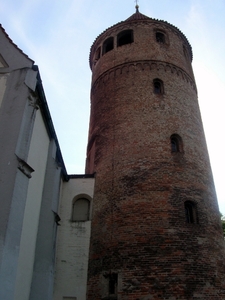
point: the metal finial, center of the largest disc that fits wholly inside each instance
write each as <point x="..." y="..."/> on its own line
<point x="136" y="6"/>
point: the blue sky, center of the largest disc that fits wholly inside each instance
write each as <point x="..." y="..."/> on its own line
<point x="58" y="34"/>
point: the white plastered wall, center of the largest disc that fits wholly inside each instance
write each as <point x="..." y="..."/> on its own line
<point x="37" y="159"/>
<point x="3" y="80"/>
<point x="73" y="240"/>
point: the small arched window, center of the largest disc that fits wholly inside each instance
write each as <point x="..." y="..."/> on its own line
<point x="158" y="86"/>
<point x="176" y="143"/>
<point x="81" y="210"/>
<point x="190" y="212"/>
<point x="160" y="37"/>
<point x="125" y="37"/>
<point x="108" y="45"/>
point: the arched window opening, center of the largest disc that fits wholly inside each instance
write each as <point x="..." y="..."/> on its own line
<point x="190" y="212"/>
<point x="160" y="37"/>
<point x="176" y="143"/>
<point x="125" y="37"/>
<point x="81" y="208"/>
<point x="108" y="45"/>
<point x="158" y="86"/>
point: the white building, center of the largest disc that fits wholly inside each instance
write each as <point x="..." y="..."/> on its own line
<point x="36" y="193"/>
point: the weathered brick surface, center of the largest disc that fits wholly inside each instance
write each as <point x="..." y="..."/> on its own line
<point x="139" y="228"/>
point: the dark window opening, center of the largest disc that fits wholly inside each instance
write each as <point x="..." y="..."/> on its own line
<point x="108" y="45"/>
<point x="113" y="278"/>
<point x="158" y="86"/>
<point x="125" y="37"/>
<point x="160" y="37"/>
<point x="190" y="212"/>
<point x="176" y="143"/>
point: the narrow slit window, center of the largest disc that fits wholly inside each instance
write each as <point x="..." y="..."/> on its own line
<point x="125" y="37"/>
<point x="108" y="45"/>
<point x="190" y="212"/>
<point x="158" y="86"/>
<point x="176" y="143"/>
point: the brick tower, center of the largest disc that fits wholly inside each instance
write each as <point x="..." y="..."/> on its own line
<point x="156" y="231"/>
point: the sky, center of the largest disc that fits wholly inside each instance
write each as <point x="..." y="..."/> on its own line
<point x="58" y="34"/>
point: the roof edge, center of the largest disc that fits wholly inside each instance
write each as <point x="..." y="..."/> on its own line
<point x="11" y="41"/>
<point x="143" y="18"/>
<point x="48" y="121"/>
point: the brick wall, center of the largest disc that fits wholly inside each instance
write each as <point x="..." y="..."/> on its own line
<point x="72" y="243"/>
<point x="139" y="227"/>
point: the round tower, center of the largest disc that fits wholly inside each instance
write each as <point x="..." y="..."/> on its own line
<point x="156" y="231"/>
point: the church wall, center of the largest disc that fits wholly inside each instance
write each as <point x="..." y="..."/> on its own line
<point x="37" y="159"/>
<point x="13" y="97"/>
<point x="12" y="107"/>
<point x="3" y="80"/>
<point x="31" y="167"/>
<point x="17" y="114"/>
<point x="43" y="271"/>
<point x="72" y="243"/>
